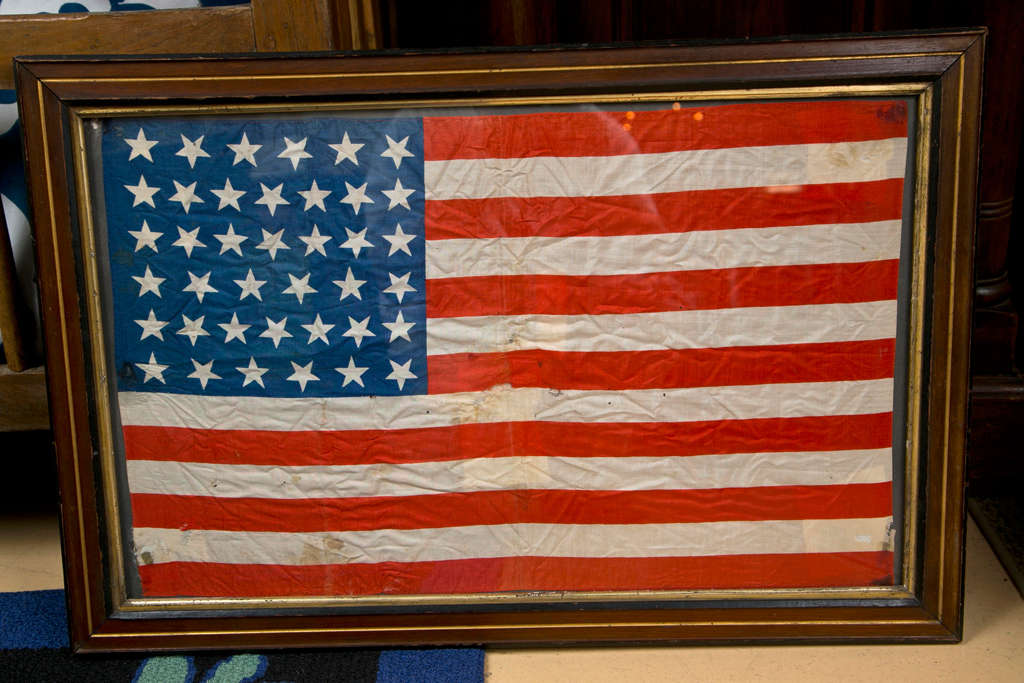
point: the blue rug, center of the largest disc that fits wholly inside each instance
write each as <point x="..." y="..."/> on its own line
<point x="34" y="647"/>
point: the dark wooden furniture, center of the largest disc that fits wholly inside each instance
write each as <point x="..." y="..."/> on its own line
<point x="260" y="26"/>
<point x="926" y="603"/>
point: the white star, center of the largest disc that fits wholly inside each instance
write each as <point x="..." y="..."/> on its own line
<point x="295" y="152"/>
<point x="398" y="196"/>
<point x="148" y="283"/>
<point x="244" y="151"/>
<point x="228" y="196"/>
<point x="318" y="330"/>
<point x="234" y="329"/>
<point x="314" y="196"/>
<point x="396" y="150"/>
<point x="203" y="372"/>
<point x="399" y="241"/>
<point x="272" y="198"/>
<point x="191" y="150"/>
<point x="350" y="285"/>
<point x="346" y="149"/>
<point x="186" y="196"/>
<point x="358" y="330"/>
<point x="352" y="373"/>
<point x="188" y="240"/>
<point x="145" y="237"/>
<point x="153" y="370"/>
<point x="314" y="241"/>
<point x="140" y="146"/>
<point x="199" y="285"/>
<point x="142" y="192"/>
<point x="250" y="285"/>
<point x="272" y="243"/>
<point x="302" y="374"/>
<point x="400" y="373"/>
<point x="299" y="287"/>
<point x="399" y="286"/>
<point x="356" y="196"/>
<point x="231" y="241"/>
<point x="252" y="373"/>
<point x="193" y="329"/>
<point x="356" y="241"/>
<point x="399" y="329"/>
<point x="151" y="327"/>
<point x="276" y="331"/>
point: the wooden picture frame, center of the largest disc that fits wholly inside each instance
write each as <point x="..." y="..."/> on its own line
<point x="71" y="109"/>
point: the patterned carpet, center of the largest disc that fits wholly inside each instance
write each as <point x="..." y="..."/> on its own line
<point x="34" y="647"/>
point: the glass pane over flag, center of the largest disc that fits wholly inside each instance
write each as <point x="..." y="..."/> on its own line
<point x="595" y="348"/>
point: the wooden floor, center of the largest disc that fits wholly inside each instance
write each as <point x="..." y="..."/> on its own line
<point x="993" y="648"/>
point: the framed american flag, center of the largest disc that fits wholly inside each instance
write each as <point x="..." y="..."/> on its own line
<point x="663" y="343"/>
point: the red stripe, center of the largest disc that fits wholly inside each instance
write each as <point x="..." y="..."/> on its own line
<point x="600" y="133"/>
<point x="817" y="570"/>
<point x="506" y="507"/>
<point x="657" y="292"/>
<point x="615" y="370"/>
<point x="564" y="439"/>
<point x="745" y="207"/>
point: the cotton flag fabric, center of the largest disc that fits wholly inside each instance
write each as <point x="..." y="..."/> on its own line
<point x="584" y="349"/>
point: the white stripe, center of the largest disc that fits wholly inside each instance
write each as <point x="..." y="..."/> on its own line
<point x="505" y="404"/>
<point x="632" y="174"/>
<point x="513" y="540"/>
<point x="737" y="470"/>
<point x="697" y="250"/>
<point x="701" y="329"/>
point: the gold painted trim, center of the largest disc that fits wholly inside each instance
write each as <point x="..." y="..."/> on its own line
<point x="499" y="70"/>
<point x="915" y="367"/>
<point x="920" y="90"/>
<point x="896" y="89"/>
<point x="70" y="398"/>
<point x="531" y="597"/>
<point x="520" y="627"/>
<point x="112" y="518"/>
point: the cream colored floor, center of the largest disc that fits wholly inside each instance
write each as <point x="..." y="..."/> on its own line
<point x="992" y="650"/>
<point x="993" y="647"/>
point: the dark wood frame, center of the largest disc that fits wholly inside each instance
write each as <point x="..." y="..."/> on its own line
<point x="947" y="66"/>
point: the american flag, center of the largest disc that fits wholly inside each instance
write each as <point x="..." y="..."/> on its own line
<point x="592" y="349"/>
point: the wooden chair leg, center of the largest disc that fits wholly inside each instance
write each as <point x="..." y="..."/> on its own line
<point x="12" y="327"/>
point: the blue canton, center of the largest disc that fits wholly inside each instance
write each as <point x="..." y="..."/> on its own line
<point x="267" y="256"/>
